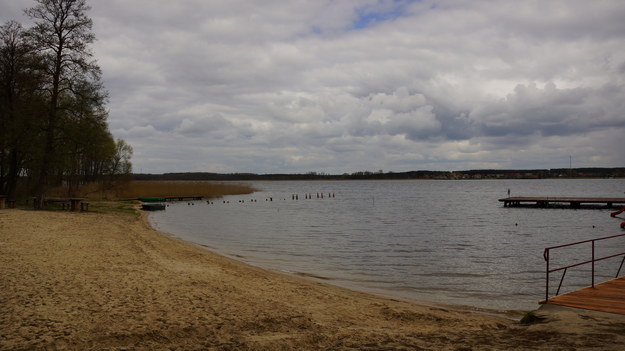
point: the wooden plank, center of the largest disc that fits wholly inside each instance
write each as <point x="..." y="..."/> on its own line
<point x="605" y="297"/>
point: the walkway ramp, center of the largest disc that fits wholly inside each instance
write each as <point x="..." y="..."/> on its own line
<point x="606" y="297"/>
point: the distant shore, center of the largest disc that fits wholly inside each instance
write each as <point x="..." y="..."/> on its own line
<point x="108" y="281"/>
<point x="474" y="174"/>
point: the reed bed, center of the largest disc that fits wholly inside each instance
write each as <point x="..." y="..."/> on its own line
<point x="149" y="188"/>
<point x="155" y="188"/>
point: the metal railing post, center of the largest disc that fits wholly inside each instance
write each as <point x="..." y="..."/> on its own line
<point x="546" y="255"/>
<point x="561" y="280"/>
<point x="619" y="267"/>
<point x="593" y="263"/>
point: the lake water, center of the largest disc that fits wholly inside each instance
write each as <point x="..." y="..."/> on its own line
<point x="437" y="241"/>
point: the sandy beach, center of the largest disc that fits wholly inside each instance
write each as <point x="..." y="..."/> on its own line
<point x="90" y="281"/>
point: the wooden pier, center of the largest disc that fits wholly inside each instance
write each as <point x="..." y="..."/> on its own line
<point x="183" y="198"/>
<point x="168" y="198"/>
<point x="605" y="297"/>
<point x="572" y="202"/>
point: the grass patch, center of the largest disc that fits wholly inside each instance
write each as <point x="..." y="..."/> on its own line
<point x="531" y="318"/>
<point x="124" y="208"/>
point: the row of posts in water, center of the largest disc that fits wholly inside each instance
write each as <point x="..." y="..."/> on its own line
<point x="309" y="196"/>
<point x="293" y="197"/>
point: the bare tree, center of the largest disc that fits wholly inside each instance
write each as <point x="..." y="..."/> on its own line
<point x="53" y="119"/>
<point x="120" y="164"/>
<point x="62" y="33"/>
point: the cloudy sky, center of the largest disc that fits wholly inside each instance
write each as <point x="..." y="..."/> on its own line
<point x="340" y="86"/>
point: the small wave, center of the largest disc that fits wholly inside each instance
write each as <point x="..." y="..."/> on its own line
<point x="413" y="251"/>
<point x="455" y="275"/>
<point x="311" y="275"/>
<point x="419" y="288"/>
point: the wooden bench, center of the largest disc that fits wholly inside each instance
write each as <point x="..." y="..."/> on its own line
<point x="72" y="204"/>
<point x="63" y="202"/>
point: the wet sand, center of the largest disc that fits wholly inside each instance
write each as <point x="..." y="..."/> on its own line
<point x="87" y="281"/>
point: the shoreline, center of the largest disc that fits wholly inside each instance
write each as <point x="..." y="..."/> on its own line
<point x="513" y="315"/>
<point x="100" y="281"/>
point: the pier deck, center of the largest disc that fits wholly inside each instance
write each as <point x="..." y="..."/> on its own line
<point x="182" y="198"/>
<point x="573" y="202"/>
<point x="168" y="198"/>
<point x="605" y="297"/>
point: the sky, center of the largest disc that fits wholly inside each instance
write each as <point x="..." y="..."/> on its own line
<point x="340" y="86"/>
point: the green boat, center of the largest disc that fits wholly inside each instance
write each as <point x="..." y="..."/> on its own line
<point x="151" y="199"/>
<point x="153" y="207"/>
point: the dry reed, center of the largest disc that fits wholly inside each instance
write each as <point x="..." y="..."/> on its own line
<point x="154" y="188"/>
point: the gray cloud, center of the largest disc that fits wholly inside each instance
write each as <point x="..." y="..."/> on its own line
<point x="342" y="86"/>
<point x="552" y="112"/>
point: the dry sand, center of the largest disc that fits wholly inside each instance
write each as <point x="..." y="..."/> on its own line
<point x="87" y="281"/>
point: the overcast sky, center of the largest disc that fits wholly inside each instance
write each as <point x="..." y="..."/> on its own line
<point x="343" y="85"/>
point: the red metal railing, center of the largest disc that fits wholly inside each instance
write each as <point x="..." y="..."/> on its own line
<point x="591" y="261"/>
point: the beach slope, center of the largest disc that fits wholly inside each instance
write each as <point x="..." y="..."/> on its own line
<point x="89" y="281"/>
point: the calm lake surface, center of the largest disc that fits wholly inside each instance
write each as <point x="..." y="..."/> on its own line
<point x="436" y="241"/>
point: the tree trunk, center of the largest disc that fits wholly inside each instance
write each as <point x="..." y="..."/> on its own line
<point x="12" y="174"/>
<point x="48" y="152"/>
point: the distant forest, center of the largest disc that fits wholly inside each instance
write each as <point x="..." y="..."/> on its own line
<point x="468" y="174"/>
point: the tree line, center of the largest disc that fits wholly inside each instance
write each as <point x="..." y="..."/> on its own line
<point x="53" y="116"/>
<point x="423" y="174"/>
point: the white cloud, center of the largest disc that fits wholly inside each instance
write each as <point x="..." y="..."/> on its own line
<point x="342" y="86"/>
